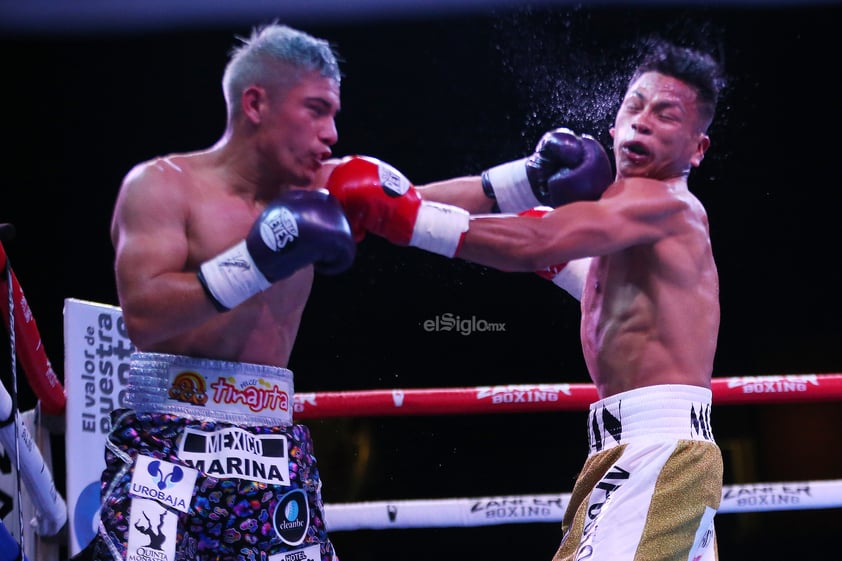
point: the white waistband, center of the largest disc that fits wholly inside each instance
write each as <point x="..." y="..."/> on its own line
<point x="653" y="412"/>
<point x="206" y="389"/>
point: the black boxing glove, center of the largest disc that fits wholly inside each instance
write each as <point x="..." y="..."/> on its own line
<point x="298" y="228"/>
<point x="564" y="168"/>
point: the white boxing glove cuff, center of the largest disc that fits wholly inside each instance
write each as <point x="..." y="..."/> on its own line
<point x="511" y="187"/>
<point x="439" y="228"/>
<point x="232" y="277"/>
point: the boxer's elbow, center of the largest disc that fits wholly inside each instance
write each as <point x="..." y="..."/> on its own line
<point x="140" y="332"/>
<point x="144" y="327"/>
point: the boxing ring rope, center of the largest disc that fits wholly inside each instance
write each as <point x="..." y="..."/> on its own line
<point x="523" y="398"/>
<point x="521" y="509"/>
<point x="31" y="468"/>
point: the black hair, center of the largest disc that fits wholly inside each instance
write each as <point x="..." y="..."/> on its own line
<point x="693" y="67"/>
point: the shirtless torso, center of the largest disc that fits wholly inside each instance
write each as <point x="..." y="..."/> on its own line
<point x="650" y="313"/>
<point x="184" y="210"/>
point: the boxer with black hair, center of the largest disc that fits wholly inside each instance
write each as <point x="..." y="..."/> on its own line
<point x="650" y="313"/>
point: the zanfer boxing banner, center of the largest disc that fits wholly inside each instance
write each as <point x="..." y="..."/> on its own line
<point x="96" y="355"/>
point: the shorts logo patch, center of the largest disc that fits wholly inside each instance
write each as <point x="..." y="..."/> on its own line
<point x="163" y="481"/>
<point x="189" y="387"/>
<point x="236" y="453"/>
<point x="704" y="535"/>
<point x="152" y="532"/>
<point x="292" y="517"/>
<point x="309" y="553"/>
<point x="257" y="395"/>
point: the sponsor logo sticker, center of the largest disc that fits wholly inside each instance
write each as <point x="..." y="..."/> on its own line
<point x="152" y="532"/>
<point x="168" y="483"/>
<point x="292" y="517"/>
<point x="309" y="553"/>
<point x="236" y="453"/>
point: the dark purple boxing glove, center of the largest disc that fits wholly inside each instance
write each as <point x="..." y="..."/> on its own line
<point x="298" y="228"/>
<point x="564" y="168"/>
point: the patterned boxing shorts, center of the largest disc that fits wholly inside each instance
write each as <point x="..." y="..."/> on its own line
<point x="206" y="466"/>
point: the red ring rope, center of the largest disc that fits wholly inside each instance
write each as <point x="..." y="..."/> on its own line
<point x="39" y="372"/>
<point x="791" y="388"/>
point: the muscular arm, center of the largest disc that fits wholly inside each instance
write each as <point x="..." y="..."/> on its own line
<point x="464" y="192"/>
<point x="632" y="212"/>
<point x="160" y="294"/>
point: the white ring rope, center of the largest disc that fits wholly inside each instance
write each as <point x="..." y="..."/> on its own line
<point x="34" y="471"/>
<point x="519" y="509"/>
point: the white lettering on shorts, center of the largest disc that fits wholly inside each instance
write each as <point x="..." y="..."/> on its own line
<point x="610" y="482"/>
<point x="309" y="553"/>
<point x="237" y="453"/>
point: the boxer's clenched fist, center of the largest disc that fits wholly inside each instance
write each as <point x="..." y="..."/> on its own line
<point x="378" y="198"/>
<point x="298" y="228"/>
<point x="565" y="167"/>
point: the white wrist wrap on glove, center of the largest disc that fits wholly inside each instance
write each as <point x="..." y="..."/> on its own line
<point x="232" y="276"/>
<point x="572" y="277"/>
<point x="511" y="187"/>
<point x="439" y="228"/>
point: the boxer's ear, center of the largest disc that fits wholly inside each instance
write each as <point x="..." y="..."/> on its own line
<point x="701" y="147"/>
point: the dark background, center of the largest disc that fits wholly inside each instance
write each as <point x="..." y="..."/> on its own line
<point x="445" y="95"/>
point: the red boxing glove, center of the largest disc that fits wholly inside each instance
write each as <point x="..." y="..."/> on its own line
<point x="569" y="276"/>
<point x="377" y="198"/>
<point x="551" y="272"/>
